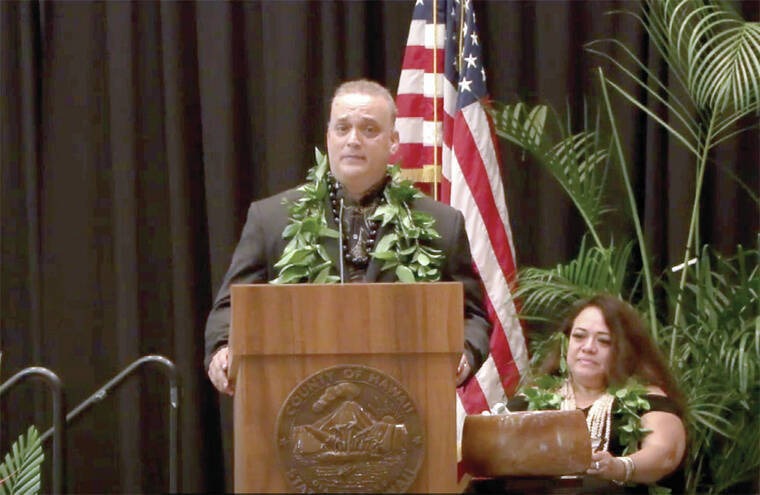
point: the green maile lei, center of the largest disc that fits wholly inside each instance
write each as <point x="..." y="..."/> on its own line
<point x="630" y="404"/>
<point x="404" y="249"/>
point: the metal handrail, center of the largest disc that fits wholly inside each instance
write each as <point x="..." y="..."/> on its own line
<point x="59" y="424"/>
<point x="171" y="372"/>
<point x="58" y="430"/>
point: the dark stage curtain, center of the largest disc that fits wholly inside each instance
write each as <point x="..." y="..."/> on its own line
<point x="135" y="134"/>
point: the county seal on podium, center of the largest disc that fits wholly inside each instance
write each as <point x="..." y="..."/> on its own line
<point x="349" y="428"/>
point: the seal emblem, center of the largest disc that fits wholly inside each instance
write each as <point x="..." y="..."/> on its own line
<point x="349" y="428"/>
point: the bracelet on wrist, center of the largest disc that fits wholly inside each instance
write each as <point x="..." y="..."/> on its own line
<point x="629" y="466"/>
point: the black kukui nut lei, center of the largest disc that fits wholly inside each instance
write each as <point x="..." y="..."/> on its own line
<point x="368" y="244"/>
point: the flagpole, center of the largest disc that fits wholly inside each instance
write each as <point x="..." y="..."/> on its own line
<point x="435" y="99"/>
<point x="459" y="38"/>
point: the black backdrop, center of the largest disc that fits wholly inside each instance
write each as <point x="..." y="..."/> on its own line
<point x="134" y="135"/>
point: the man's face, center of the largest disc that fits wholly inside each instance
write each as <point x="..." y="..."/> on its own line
<point x="360" y="141"/>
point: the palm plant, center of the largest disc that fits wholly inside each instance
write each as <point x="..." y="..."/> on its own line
<point x="715" y="56"/>
<point x="718" y="363"/>
<point x="713" y="338"/>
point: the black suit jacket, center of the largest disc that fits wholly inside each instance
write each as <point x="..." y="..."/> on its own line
<point x="261" y="245"/>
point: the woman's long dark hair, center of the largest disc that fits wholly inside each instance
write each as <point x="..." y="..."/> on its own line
<point x="634" y="354"/>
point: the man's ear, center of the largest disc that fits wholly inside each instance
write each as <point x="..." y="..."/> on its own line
<point x="394" y="142"/>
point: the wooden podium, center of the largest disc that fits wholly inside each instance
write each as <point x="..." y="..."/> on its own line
<point x="281" y="335"/>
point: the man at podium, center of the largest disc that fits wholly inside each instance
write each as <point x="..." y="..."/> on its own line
<point x="366" y="213"/>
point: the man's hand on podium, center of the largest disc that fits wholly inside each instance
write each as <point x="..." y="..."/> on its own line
<point x="217" y="371"/>
<point x="464" y="370"/>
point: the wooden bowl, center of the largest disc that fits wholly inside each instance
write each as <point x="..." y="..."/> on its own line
<point x="532" y="443"/>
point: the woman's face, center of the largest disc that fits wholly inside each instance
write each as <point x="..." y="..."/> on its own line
<point x="589" y="351"/>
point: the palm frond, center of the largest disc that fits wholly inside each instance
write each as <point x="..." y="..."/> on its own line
<point x="689" y="145"/>
<point x="727" y="77"/>
<point x="578" y="161"/>
<point x="20" y="471"/>
<point x="654" y="87"/>
<point x="545" y="293"/>
<point x="714" y="53"/>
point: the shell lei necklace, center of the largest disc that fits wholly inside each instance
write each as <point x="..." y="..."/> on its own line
<point x="598" y="419"/>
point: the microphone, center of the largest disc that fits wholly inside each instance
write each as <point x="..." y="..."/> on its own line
<point x="340" y="242"/>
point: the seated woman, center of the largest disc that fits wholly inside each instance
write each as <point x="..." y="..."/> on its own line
<point x="607" y="346"/>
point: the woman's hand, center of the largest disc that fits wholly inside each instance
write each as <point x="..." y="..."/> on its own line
<point x="604" y="465"/>
<point x="661" y="452"/>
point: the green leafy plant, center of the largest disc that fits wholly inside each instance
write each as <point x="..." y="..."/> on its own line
<point x="555" y="344"/>
<point x="20" y="470"/>
<point x="596" y="269"/>
<point x="717" y="360"/>
<point x="578" y="161"/>
<point x="714" y="56"/>
<point x="711" y="329"/>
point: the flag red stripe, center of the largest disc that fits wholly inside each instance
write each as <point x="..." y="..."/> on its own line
<point x="501" y="353"/>
<point x="448" y="130"/>
<point x="421" y="58"/>
<point x="410" y="104"/>
<point x="473" y="398"/>
<point x="415" y="155"/>
<point x="477" y="179"/>
<point x="445" y="191"/>
<point x="418" y="105"/>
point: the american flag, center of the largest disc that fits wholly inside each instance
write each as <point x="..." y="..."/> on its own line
<point x="449" y="148"/>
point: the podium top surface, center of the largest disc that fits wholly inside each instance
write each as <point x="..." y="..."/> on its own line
<point x="375" y="318"/>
